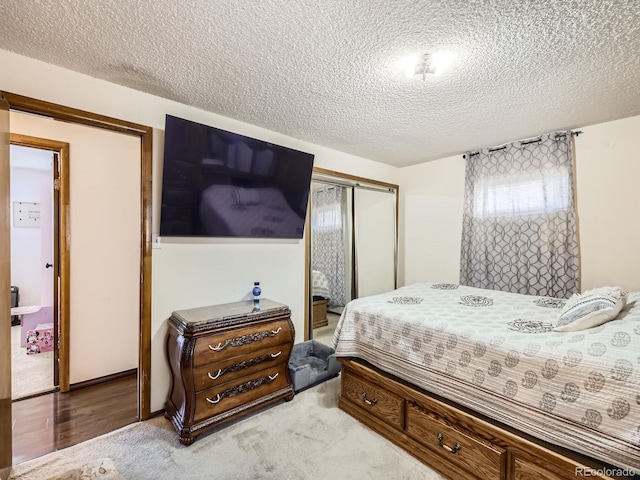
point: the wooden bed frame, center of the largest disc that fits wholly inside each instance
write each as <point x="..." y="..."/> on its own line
<point x="451" y="439"/>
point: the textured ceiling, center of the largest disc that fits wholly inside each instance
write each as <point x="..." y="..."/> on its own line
<point x="328" y="71"/>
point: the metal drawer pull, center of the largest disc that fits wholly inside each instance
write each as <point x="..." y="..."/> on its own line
<point x="213" y="377"/>
<point x="218" y="398"/>
<point x="275" y="332"/>
<point x="367" y="401"/>
<point x="218" y="347"/>
<point x="456" y="448"/>
<point x="273" y="377"/>
<point x="274" y="355"/>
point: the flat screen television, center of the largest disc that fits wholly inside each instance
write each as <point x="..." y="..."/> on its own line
<point x="217" y="183"/>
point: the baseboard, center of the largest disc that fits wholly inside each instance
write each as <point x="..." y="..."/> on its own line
<point x="157" y="413"/>
<point x="37" y="394"/>
<point x="106" y="378"/>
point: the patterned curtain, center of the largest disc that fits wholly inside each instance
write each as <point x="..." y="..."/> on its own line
<point x="327" y="240"/>
<point x="519" y="227"/>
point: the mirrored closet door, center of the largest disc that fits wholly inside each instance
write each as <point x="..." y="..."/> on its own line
<point x="352" y="245"/>
<point x="375" y="241"/>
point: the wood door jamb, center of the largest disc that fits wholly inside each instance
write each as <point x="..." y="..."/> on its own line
<point x="145" y="133"/>
<point x="64" y="254"/>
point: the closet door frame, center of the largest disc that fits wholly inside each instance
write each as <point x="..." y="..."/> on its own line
<point x="339" y="178"/>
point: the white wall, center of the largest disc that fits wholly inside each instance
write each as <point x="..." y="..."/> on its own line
<point x="607" y="172"/>
<point x="104" y="188"/>
<point x="30" y="170"/>
<point x="375" y="226"/>
<point x="430" y="221"/>
<point x="189" y="274"/>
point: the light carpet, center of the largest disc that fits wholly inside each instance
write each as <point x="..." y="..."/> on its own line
<point x="29" y="373"/>
<point x="325" y="334"/>
<point x="308" y="438"/>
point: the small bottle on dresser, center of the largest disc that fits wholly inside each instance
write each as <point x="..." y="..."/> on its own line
<point x="256" y="294"/>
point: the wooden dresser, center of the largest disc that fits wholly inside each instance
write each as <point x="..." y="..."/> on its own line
<point x="226" y="361"/>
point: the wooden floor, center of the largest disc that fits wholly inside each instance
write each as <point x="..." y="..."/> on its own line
<point x="53" y="421"/>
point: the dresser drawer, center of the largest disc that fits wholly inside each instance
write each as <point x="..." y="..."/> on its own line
<point x="240" y="391"/>
<point x="471" y="453"/>
<point x="207" y="376"/>
<point x="381" y="403"/>
<point x="230" y="343"/>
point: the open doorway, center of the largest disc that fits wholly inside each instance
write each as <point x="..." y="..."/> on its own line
<point x="141" y="218"/>
<point x="34" y="268"/>
<point x="102" y="295"/>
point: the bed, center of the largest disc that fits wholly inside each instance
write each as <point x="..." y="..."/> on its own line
<point x="477" y="384"/>
<point x="319" y="285"/>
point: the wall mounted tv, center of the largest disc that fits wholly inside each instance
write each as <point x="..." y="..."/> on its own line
<point x="220" y="184"/>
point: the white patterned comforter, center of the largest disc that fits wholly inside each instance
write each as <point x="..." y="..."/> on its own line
<point x="494" y="352"/>
<point x="320" y="285"/>
<point x="271" y="216"/>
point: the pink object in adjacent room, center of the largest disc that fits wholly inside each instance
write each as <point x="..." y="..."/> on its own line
<point x="34" y="317"/>
<point x="40" y="339"/>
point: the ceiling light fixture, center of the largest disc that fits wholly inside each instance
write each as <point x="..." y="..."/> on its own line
<point x="429" y="64"/>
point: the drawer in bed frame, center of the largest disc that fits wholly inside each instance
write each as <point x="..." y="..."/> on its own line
<point x="380" y="403"/>
<point x="451" y="439"/>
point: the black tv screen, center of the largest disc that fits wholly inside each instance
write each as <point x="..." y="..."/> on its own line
<point x="221" y="184"/>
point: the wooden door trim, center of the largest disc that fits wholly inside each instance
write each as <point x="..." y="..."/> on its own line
<point x="5" y="294"/>
<point x="64" y="266"/>
<point x="145" y="133"/>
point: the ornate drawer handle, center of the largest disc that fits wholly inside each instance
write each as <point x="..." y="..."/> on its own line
<point x="245" y="339"/>
<point x="213" y="377"/>
<point x="367" y="401"/>
<point x="242" y="388"/>
<point x="456" y="448"/>
<point x="218" y="347"/>
<point x="274" y="355"/>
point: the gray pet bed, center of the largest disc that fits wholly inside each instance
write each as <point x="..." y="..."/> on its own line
<point x="310" y="363"/>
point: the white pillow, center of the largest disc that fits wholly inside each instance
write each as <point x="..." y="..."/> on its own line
<point x="591" y="308"/>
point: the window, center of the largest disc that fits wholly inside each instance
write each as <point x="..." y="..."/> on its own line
<point x="519" y="227"/>
<point x="521" y="195"/>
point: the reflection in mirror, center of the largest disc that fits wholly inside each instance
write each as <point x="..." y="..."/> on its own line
<point x="330" y="256"/>
<point x="352" y="246"/>
<point x="375" y="226"/>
